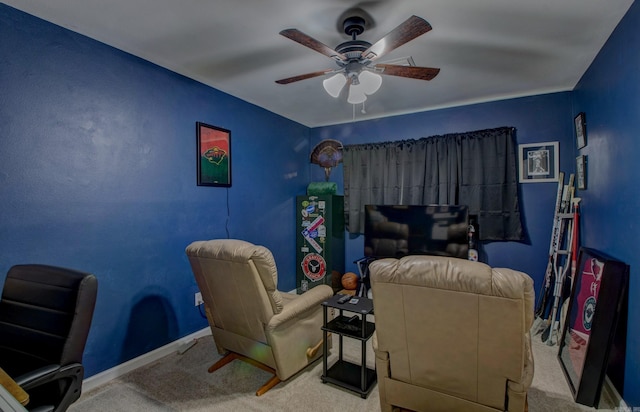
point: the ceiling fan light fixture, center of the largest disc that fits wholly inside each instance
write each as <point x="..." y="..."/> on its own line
<point x="334" y="84"/>
<point x="356" y="58"/>
<point x="370" y="81"/>
<point x="356" y="94"/>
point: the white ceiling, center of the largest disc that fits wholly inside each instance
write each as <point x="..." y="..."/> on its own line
<point x="486" y="49"/>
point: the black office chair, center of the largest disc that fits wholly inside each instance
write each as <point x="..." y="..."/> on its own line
<point x="45" y="315"/>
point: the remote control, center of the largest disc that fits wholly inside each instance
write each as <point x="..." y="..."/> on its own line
<point x="344" y="298"/>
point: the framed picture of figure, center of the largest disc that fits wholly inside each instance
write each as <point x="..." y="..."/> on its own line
<point x="539" y="162"/>
<point x="581" y="172"/>
<point x="580" y="123"/>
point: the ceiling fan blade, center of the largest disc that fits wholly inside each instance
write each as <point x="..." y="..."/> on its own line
<point x="413" y="72"/>
<point x="308" y="41"/>
<point x="302" y="77"/>
<point x="413" y="27"/>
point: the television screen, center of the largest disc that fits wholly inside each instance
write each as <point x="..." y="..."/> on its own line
<point x="399" y="230"/>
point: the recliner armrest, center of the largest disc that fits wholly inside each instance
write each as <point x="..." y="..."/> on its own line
<point x="309" y="300"/>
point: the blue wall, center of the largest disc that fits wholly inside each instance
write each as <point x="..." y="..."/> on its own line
<point x="609" y="94"/>
<point x="98" y="173"/>
<point x="537" y="119"/>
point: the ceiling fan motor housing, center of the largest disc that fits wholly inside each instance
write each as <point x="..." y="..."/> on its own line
<point x="353" y="48"/>
<point x="355" y="56"/>
<point x="353" y="26"/>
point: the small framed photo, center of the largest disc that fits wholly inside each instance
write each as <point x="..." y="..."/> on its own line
<point x="539" y="162"/>
<point x="214" y="155"/>
<point x="581" y="172"/>
<point x="580" y="123"/>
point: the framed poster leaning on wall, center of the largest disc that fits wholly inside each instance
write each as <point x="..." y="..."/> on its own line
<point x="599" y="288"/>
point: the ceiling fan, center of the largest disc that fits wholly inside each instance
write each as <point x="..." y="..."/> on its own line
<point x="356" y="59"/>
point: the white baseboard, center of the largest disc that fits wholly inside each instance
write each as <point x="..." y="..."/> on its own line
<point x="614" y="398"/>
<point x="103" y="377"/>
<point x="142" y="360"/>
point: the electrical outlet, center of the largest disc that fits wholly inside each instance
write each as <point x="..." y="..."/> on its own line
<point x="198" y="299"/>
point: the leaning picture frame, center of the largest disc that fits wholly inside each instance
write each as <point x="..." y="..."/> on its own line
<point x="214" y="155"/>
<point x="580" y="123"/>
<point x="594" y="311"/>
<point x="538" y="162"/>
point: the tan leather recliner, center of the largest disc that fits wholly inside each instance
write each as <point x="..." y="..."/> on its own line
<point x="451" y="335"/>
<point x="249" y="318"/>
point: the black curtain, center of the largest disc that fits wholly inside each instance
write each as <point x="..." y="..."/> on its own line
<point x="477" y="169"/>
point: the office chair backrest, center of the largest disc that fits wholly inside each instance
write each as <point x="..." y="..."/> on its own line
<point x="45" y="315"/>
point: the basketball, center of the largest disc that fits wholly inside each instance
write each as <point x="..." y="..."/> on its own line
<point x="350" y="281"/>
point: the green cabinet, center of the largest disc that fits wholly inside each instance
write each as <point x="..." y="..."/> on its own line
<point x="319" y="240"/>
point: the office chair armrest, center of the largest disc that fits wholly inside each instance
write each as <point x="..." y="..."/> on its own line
<point x="71" y="374"/>
<point x="33" y="378"/>
<point x="47" y="408"/>
<point x="309" y="300"/>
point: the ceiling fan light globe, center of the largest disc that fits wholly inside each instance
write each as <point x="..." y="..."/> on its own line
<point x="334" y="84"/>
<point x="370" y="81"/>
<point x="356" y="94"/>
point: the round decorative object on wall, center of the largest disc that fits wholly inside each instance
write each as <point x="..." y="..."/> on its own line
<point x="314" y="267"/>
<point x="327" y="154"/>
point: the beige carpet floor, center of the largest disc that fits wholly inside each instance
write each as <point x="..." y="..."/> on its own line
<point x="182" y="383"/>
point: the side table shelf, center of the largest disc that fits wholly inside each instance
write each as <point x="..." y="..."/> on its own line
<point x="349" y="375"/>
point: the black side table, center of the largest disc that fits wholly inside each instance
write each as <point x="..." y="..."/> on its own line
<point x="357" y="378"/>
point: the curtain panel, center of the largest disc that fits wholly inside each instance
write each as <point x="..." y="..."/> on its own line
<point x="477" y="169"/>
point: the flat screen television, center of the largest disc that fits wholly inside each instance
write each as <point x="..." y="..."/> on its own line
<point x="400" y="230"/>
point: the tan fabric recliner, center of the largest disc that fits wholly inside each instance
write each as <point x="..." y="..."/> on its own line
<point x="249" y="318"/>
<point x="451" y="335"/>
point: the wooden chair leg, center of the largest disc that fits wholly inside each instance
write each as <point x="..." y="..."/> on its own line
<point x="270" y="384"/>
<point x="231" y="356"/>
<point x="226" y="359"/>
